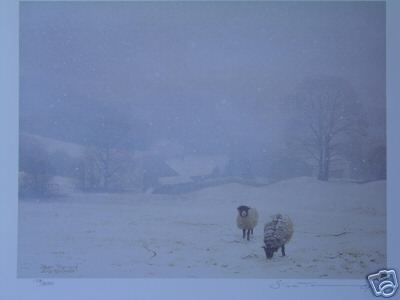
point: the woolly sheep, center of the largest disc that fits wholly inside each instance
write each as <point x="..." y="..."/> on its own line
<point x="247" y="219"/>
<point x="276" y="234"/>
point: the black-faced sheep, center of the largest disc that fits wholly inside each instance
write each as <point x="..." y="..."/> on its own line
<point x="247" y="219"/>
<point x="276" y="234"/>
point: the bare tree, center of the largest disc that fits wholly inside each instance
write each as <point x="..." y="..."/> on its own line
<point x="377" y="163"/>
<point x="104" y="168"/>
<point x="325" y="115"/>
<point x="35" y="169"/>
<point x="109" y="140"/>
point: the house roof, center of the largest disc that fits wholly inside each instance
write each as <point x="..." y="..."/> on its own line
<point x="189" y="166"/>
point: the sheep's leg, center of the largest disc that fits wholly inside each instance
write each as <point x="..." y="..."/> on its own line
<point x="248" y="234"/>
<point x="251" y="231"/>
<point x="244" y="233"/>
<point x="283" y="250"/>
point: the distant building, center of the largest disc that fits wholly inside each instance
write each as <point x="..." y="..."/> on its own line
<point x="192" y="168"/>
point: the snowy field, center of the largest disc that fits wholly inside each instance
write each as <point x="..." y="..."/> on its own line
<point x="339" y="232"/>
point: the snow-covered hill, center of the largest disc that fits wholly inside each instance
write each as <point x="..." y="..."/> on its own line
<point x="340" y="232"/>
<point x="53" y="145"/>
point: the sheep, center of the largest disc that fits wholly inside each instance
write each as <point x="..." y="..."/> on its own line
<point x="277" y="233"/>
<point x="247" y="219"/>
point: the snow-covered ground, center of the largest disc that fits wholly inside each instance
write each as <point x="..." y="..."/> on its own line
<point x="340" y="232"/>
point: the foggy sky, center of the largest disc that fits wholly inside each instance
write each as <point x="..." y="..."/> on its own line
<point x="199" y="73"/>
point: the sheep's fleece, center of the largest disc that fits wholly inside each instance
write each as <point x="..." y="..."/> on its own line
<point x="278" y="232"/>
<point x="248" y="222"/>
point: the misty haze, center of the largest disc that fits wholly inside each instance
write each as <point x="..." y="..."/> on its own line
<point x="152" y="133"/>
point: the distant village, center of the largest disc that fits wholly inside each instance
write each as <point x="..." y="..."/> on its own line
<point x="51" y="167"/>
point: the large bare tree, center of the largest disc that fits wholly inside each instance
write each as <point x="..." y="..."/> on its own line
<point x="326" y="115"/>
<point x="34" y="167"/>
<point x="109" y="143"/>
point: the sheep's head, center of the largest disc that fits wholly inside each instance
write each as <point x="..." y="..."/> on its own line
<point x="243" y="210"/>
<point x="269" y="251"/>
